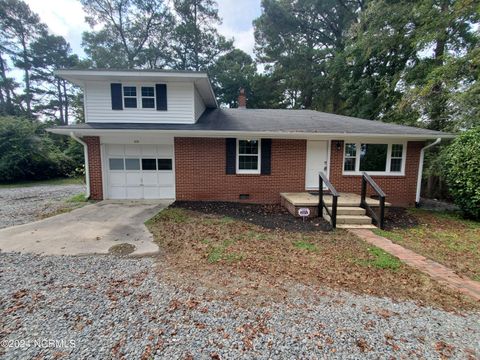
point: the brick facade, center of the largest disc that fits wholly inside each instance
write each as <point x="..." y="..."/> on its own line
<point x="94" y="166"/>
<point x="200" y="172"/>
<point x="400" y="190"/>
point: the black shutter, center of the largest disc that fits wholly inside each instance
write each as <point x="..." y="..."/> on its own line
<point x="266" y="161"/>
<point x="161" y="92"/>
<point x="116" y="91"/>
<point x="231" y="147"/>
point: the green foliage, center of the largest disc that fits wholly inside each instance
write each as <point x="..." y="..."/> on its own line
<point x="381" y="260"/>
<point x="28" y="153"/>
<point x="462" y="171"/>
<point x="305" y="245"/>
<point x="79" y="198"/>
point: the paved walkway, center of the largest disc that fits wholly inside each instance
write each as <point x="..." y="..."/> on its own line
<point x="435" y="270"/>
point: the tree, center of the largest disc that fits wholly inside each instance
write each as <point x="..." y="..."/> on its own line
<point x="301" y="42"/>
<point x="197" y="43"/>
<point x="129" y="27"/>
<point x="19" y="28"/>
<point x="231" y="72"/>
<point x="50" y="53"/>
<point x="463" y="173"/>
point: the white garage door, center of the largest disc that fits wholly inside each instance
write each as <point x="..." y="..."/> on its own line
<point x="140" y="171"/>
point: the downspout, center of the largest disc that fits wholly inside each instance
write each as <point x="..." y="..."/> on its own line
<point x="85" y="152"/>
<point x="420" y="170"/>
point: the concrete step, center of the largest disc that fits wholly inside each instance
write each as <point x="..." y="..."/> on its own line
<point x="356" y="226"/>
<point x="349" y="210"/>
<point x="351" y="219"/>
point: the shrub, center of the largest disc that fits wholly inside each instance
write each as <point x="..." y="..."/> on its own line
<point x="27" y="152"/>
<point x="462" y="171"/>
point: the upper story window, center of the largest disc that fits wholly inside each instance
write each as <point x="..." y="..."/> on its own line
<point x="248" y="156"/>
<point x="374" y="158"/>
<point x="129" y="96"/>
<point x="148" y="97"/>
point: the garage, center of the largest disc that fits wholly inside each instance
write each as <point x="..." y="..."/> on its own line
<point x="137" y="171"/>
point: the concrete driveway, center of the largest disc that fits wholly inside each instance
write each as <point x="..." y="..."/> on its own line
<point x="92" y="229"/>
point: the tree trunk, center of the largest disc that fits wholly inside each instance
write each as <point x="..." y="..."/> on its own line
<point x="6" y="86"/>
<point x="196" y="46"/>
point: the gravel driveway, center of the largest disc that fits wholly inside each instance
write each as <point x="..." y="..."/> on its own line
<point x="106" y="307"/>
<point x="25" y="204"/>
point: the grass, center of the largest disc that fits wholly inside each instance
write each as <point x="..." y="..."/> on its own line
<point x="78" y="198"/>
<point x="59" y="181"/>
<point x="444" y="237"/>
<point x="238" y="256"/>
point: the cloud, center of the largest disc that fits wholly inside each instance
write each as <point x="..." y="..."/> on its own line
<point x="63" y="17"/>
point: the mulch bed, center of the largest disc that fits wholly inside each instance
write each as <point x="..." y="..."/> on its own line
<point x="399" y="218"/>
<point x="268" y="216"/>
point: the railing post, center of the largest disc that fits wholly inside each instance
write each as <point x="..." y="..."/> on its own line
<point x="364" y="191"/>
<point x="382" y="212"/>
<point x="320" y="196"/>
<point x="334" y="211"/>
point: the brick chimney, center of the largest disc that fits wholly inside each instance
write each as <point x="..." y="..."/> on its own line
<point x="242" y="99"/>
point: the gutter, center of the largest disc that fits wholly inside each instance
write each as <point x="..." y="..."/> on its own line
<point x="85" y="152"/>
<point x="420" y="170"/>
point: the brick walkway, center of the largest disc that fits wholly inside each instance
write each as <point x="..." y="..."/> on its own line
<point x="435" y="270"/>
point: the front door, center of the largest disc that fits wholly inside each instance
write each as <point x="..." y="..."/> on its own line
<point x="317" y="160"/>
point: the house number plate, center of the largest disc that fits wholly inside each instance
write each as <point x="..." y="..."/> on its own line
<point x="304" y="212"/>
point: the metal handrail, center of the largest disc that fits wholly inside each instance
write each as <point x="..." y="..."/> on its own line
<point x="378" y="219"/>
<point x="321" y="203"/>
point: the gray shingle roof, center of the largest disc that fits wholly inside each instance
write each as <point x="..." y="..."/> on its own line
<point x="273" y="120"/>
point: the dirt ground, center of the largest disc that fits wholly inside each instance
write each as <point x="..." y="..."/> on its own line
<point x="241" y="258"/>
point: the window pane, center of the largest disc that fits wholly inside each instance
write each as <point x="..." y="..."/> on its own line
<point x="248" y="147"/>
<point x="132" y="164"/>
<point x="116" y="164"/>
<point x="248" y="162"/>
<point x="396" y="165"/>
<point x="373" y="157"/>
<point x="148" y="103"/>
<point x="130" y="102"/>
<point x="349" y="164"/>
<point x="149" y="164"/>
<point x="164" y="164"/>
<point x="350" y="150"/>
<point x="148" y="91"/>
<point x="129" y="91"/>
<point x="397" y="150"/>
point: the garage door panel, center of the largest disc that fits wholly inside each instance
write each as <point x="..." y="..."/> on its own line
<point x="165" y="151"/>
<point x="167" y="193"/>
<point x="134" y="178"/>
<point x="133" y="150"/>
<point x="134" y="192"/>
<point x="116" y="150"/>
<point x="116" y="192"/>
<point x="149" y="150"/>
<point x="150" y="178"/>
<point x="151" y="192"/>
<point x="166" y="179"/>
<point x="117" y="179"/>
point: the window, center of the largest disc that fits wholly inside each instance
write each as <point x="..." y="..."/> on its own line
<point x="132" y="164"/>
<point x="164" y="164"/>
<point x="374" y="158"/>
<point x="248" y="159"/>
<point x="148" y="97"/>
<point x="116" y="164"/>
<point x="149" y="164"/>
<point x="396" y="158"/>
<point x="130" y="96"/>
<point x="350" y="157"/>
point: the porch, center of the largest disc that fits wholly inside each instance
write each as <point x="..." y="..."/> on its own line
<point x="349" y="212"/>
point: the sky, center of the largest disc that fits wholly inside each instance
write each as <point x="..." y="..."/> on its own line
<point x="67" y="18"/>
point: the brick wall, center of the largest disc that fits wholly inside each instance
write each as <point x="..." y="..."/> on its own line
<point x="200" y="172"/>
<point x="400" y="190"/>
<point x="94" y="167"/>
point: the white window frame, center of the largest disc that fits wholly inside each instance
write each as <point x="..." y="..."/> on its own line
<point x="259" y="159"/>
<point x="154" y="97"/>
<point x="129" y="97"/>
<point x="139" y="97"/>
<point x="389" y="157"/>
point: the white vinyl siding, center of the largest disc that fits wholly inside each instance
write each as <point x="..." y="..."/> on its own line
<point x="199" y="105"/>
<point x="180" y="104"/>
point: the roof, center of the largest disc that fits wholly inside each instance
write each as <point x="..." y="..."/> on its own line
<point x="200" y="79"/>
<point x="263" y="121"/>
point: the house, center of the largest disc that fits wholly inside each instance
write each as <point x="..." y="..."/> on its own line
<point x="158" y="134"/>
